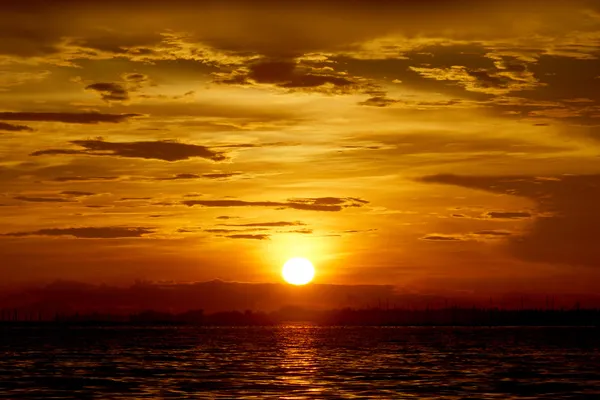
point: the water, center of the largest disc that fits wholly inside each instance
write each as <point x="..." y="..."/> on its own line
<point x="300" y="362"/>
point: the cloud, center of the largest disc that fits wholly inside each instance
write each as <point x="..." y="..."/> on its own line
<point x="284" y="73"/>
<point x="136" y="78"/>
<point x="178" y="177"/>
<point x="507" y="76"/>
<point x="292" y="28"/>
<point x="120" y="91"/>
<point x="331" y="201"/>
<point x="215" y="175"/>
<point x="221" y="175"/>
<point x="378" y="101"/>
<point x="110" y="232"/>
<point x="567" y="224"/>
<point x="349" y="231"/>
<point x="135" y="198"/>
<point x="244" y="236"/>
<point x="491" y="232"/>
<point x="482" y="234"/>
<point x="310" y="204"/>
<point x="498" y="215"/>
<point x="278" y="223"/>
<point x="303" y="231"/>
<point x="84" y="178"/>
<point x="442" y="238"/>
<point x="507" y="215"/>
<point x="76" y="193"/>
<point x="109" y="91"/>
<point x="165" y="150"/>
<point x="11" y="78"/>
<point x="14" y="128"/>
<point x="32" y="199"/>
<point x="257" y="145"/>
<point x="221" y="230"/>
<point x="69" y="118"/>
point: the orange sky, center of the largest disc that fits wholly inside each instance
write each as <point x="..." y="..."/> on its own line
<point x="443" y="147"/>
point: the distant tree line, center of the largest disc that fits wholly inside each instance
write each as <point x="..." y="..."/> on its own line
<point x="450" y="316"/>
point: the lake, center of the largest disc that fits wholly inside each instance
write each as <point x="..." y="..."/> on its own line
<point x="299" y="362"/>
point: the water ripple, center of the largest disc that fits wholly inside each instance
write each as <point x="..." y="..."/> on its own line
<point x="300" y="362"/>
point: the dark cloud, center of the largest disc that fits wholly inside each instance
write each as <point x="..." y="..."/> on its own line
<point x="136" y="78"/>
<point x="225" y="217"/>
<point x="378" y="101"/>
<point x="122" y="44"/>
<point x="214" y="175"/>
<point x="486" y="80"/>
<point x="357" y="147"/>
<point x="329" y="201"/>
<point x="165" y="150"/>
<point x="221" y="175"/>
<point x="310" y="204"/>
<point x="69" y="118"/>
<point x="110" y="91"/>
<point x="442" y="238"/>
<point x="84" y="178"/>
<point x="278" y="223"/>
<point x="285" y="73"/>
<point x="359" y="230"/>
<point x="178" y="177"/>
<point x="506" y="75"/>
<point x="218" y="230"/>
<point x="245" y="236"/>
<point x="32" y="199"/>
<point x="76" y="193"/>
<point x="110" y="232"/>
<point x="14" y="128"/>
<point x="565" y="230"/>
<point x="507" y="215"/>
<point x="303" y="231"/>
<point x="164" y="203"/>
<point x="478" y="235"/>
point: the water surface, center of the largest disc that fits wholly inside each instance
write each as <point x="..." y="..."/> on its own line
<point x="299" y="362"/>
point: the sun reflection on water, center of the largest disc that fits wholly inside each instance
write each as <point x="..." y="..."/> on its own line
<point x="298" y="361"/>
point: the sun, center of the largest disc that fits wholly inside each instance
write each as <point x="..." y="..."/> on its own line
<point x="298" y="271"/>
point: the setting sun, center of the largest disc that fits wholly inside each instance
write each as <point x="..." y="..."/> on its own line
<point x="298" y="271"/>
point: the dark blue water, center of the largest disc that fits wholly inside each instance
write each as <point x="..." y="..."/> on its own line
<point x="300" y="362"/>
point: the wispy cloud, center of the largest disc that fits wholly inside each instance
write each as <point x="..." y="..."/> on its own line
<point x="164" y="150"/>
<point x="69" y="118"/>
<point x="309" y="204"/>
<point x="110" y="232"/>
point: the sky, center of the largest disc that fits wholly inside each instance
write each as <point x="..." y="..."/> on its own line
<point x="440" y="147"/>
